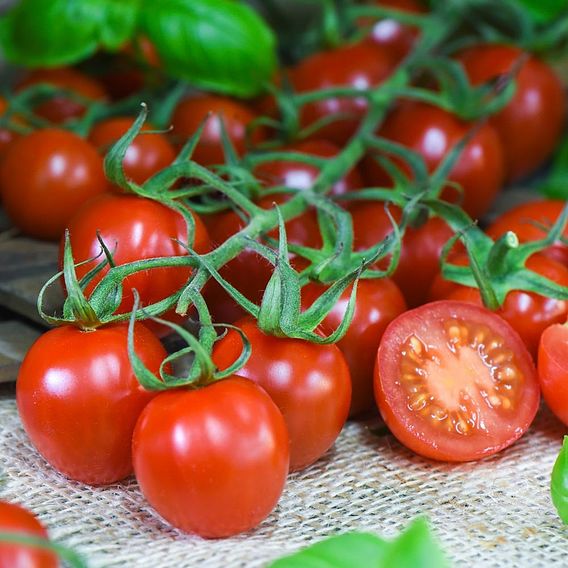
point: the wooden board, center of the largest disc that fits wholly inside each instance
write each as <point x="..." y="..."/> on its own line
<point x="16" y="337"/>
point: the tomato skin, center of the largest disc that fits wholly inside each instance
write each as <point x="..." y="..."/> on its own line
<point x="528" y="313"/>
<point x="309" y="383"/>
<point x="531" y="222"/>
<point x="421" y="247"/>
<point x="60" y="109"/>
<point x="45" y="177"/>
<point x="433" y="132"/>
<point x="79" y="400"/>
<point x="147" y="155"/>
<point x="498" y="430"/>
<point x="6" y="136"/>
<point x="15" y="519"/>
<point x="361" y="65"/>
<point x="134" y="228"/>
<point x="236" y="117"/>
<point x="553" y="369"/>
<point x="212" y="461"/>
<point x="533" y="121"/>
<point x="378" y="302"/>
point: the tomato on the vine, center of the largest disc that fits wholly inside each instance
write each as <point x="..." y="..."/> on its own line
<point x="532" y="122"/>
<point x="378" y="302"/>
<point x="212" y="461"/>
<point x="45" y="177"/>
<point x="310" y="384"/>
<point x="134" y="228"/>
<point x="234" y="115"/>
<point x="148" y="153"/>
<point x="432" y="132"/>
<point x="455" y="382"/>
<point x="361" y="66"/>
<point x="61" y="108"/>
<point x="79" y="399"/>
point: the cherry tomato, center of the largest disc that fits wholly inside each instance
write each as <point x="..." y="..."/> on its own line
<point x="60" y="108"/>
<point x="236" y="117"/>
<point x="212" y="461"/>
<point x="147" y="155"/>
<point x="134" y="228"/>
<point x="527" y="312"/>
<point x="455" y="382"/>
<point x="309" y="383"/>
<point x="6" y="136"/>
<point x="533" y="121"/>
<point x="79" y="400"/>
<point x="16" y="519"/>
<point x="378" y="302"/>
<point x="45" y="177"/>
<point x="531" y="222"/>
<point x="421" y="247"/>
<point x="361" y="66"/>
<point x="433" y="132"/>
<point x="394" y="37"/>
<point x="553" y="369"/>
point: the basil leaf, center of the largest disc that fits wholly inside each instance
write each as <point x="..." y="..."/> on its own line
<point x="559" y="482"/>
<point x="556" y="184"/>
<point x="414" y="547"/>
<point x="220" y="45"/>
<point x="544" y="11"/>
<point x="48" y="33"/>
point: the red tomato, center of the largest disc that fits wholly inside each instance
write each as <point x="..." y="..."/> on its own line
<point x="45" y="177"/>
<point x="528" y="313"/>
<point x="134" y="228"/>
<point x="236" y="117"/>
<point x="147" y="155"/>
<point x="6" y="136"/>
<point x="361" y="66"/>
<point x="421" y="247"/>
<point x="309" y="383"/>
<point x="298" y="175"/>
<point x="212" y="461"/>
<point x="394" y="37"/>
<point x="378" y="302"/>
<point x="79" y="400"/>
<point x="61" y="108"/>
<point x="454" y="381"/>
<point x="530" y="222"/>
<point x="533" y="121"/>
<point x="553" y="369"/>
<point x="433" y="132"/>
<point x="16" y="519"/>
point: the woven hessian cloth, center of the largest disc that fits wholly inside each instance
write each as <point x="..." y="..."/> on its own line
<point x="492" y="513"/>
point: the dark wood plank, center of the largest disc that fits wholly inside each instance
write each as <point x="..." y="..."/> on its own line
<point x="15" y="339"/>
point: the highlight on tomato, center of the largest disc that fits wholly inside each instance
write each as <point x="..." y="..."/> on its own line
<point x="455" y="382"/>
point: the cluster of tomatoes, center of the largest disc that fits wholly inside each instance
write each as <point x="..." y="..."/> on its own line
<point x="452" y="380"/>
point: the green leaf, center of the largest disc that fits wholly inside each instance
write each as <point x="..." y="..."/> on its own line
<point x="556" y="184"/>
<point x="48" y="33"/>
<point x="220" y="45"/>
<point x="559" y="482"/>
<point x="414" y="548"/>
<point x="544" y="11"/>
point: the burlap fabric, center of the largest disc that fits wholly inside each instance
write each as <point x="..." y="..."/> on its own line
<point x="492" y="513"/>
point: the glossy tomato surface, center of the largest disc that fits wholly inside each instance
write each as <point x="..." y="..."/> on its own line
<point x="79" y="400"/>
<point x="61" y="108"/>
<point x="147" y="155"/>
<point x="309" y="383"/>
<point x="432" y="133"/>
<point x="212" y="461"/>
<point x="134" y="228"/>
<point x="532" y="122"/>
<point x="235" y="116"/>
<point x="45" y="177"/>
<point x="528" y="313"/>
<point x="360" y="66"/>
<point x="15" y="519"/>
<point x="553" y="369"/>
<point x="378" y="302"/>
<point x="455" y="382"/>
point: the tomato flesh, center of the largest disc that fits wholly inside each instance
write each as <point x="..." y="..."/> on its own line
<point x="454" y="382"/>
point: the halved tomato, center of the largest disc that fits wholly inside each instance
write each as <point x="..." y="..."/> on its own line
<point x="455" y="382"/>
